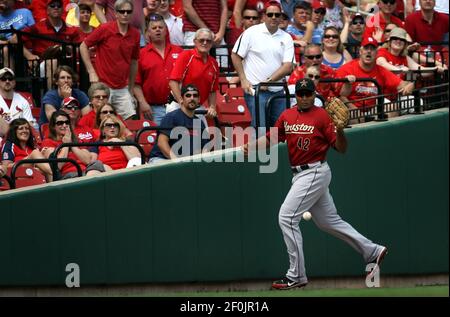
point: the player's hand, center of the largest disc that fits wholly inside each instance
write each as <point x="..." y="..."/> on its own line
<point x="67" y="138"/>
<point x="247" y="87"/>
<point x="211" y="112"/>
<point x="65" y="91"/>
<point x="351" y="78"/>
<point x="146" y="110"/>
<point x="407" y="89"/>
<point x="93" y="77"/>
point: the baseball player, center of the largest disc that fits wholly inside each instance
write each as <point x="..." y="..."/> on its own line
<point x="309" y="133"/>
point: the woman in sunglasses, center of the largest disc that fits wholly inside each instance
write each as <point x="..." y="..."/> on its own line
<point x="104" y="111"/>
<point x="113" y="157"/>
<point x="20" y="145"/>
<point x="61" y="131"/>
<point x="334" y="53"/>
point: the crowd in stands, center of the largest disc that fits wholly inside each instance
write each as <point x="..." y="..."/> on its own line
<point x="160" y="60"/>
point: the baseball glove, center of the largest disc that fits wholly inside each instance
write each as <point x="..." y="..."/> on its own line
<point x="338" y="112"/>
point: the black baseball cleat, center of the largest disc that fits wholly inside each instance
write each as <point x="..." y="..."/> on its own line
<point x="286" y="283"/>
<point x="377" y="262"/>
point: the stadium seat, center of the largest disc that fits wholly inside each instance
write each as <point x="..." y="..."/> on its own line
<point x="136" y="125"/>
<point x="36" y="113"/>
<point x="27" y="176"/>
<point x="147" y="140"/>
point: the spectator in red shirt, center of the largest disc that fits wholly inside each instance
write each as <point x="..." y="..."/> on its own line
<point x="113" y="157"/>
<point x="366" y="67"/>
<point x="197" y="67"/>
<point x="61" y="131"/>
<point x="98" y="94"/>
<point x="427" y="25"/>
<point x="117" y="45"/>
<point x="156" y="60"/>
<point x="55" y="27"/>
<point x="20" y="145"/>
<point x="376" y="24"/>
<point x="71" y="106"/>
<point x="313" y="57"/>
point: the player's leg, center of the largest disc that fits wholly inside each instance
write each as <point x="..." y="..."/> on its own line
<point x="307" y="188"/>
<point x="325" y="216"/>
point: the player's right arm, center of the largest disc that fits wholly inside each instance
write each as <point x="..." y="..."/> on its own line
<point x="341" y="141"/>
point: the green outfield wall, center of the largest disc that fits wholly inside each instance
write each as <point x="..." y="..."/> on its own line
<point x="194" y="221"/>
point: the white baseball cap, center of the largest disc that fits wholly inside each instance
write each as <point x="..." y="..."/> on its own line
<point x="5" y="70"/>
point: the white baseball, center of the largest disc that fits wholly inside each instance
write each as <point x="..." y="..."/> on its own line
<point x="307" y="215"/>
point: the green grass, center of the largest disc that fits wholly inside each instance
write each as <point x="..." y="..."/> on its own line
<point x="419" y="291"/>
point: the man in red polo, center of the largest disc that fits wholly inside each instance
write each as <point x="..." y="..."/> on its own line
<point x="156" y="61"/>
<point x="427" y="25"/>
<point x="197" y="67"/>
<point x="377" y="23"/>
<point x="53" y="26"/>
<point x="117" y="45"/>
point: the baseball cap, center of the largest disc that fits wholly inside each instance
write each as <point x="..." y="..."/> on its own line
<point x="317" y="4"/>
<point x="369" y="41"/>
<point x="272" y="3"/>
<point x="188" y="88"/>
<point x="304" y="84"/>
<point x="69" y="100"/>
<point x="358" y="16"/>
<point x="399" y="33"/>
<point x="6" y="70"/>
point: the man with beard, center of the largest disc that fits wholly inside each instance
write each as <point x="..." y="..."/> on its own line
<point x="187" y="125"/>
<point x="366" y="67"/>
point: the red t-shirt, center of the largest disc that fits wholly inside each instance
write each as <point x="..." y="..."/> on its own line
<point x="324" y="89"/>
<point x="114" y="53"/>
<point x="377" y="20"/>
<point x="209" y="12"/>
<point x="421" y="31"/>
<point x="67" y="167"/>
<point x="308" y="134"/>
<point x="151" y="66"/>
<point x="115" y="157"/>
<point x="190" y="69"/>
<point x="392" y="59"/>
<point x="38" y="46"/>
<point x="12" y="152"/>
<point x="387" y="80"/>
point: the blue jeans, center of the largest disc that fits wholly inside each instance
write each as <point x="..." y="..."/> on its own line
<point x="277" y="107"/>
<point x="159" y="111"/>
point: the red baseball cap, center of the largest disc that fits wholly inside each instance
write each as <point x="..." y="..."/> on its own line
<point x="317" y="4"/>
<point x="67" y="101"/>
<point x="272" y="3"/>
<point x="369" y="41"/>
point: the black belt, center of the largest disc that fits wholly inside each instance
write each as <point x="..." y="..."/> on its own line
<point x="304" y="167"/>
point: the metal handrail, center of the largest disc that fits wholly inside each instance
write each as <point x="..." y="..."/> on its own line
<point x="265" y="84"/>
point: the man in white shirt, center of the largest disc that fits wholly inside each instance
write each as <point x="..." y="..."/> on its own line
<point x="174" y="24"/>
<point x="264" y="53"/>
<point x="12" y="104"/>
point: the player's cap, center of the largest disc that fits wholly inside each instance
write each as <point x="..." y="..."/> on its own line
<point x="272" y="3"/>
<point x="304" y="84"/>
<point x="398" y="33"/>
<point x="369" y="41"/>
<point x="188" y="88"/>
<point x="358" y="16"/>
<point x="6" y="70"/>
<point x="67" y="101"/>
<point x="317" y="4"/>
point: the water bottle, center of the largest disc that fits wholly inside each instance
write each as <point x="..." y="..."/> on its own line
<point x="428" y="52"/>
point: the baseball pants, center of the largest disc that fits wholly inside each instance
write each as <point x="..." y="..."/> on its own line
<point x="309" y="192"/>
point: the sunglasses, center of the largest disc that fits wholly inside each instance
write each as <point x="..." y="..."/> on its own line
<point x="331" y="36"/>
<point x="204" y="41"/>
<point x="314" y="76"/>
<point x="101" y="96"/>
<point x="125" y="11"/>
<point x="55" y="5"/>
<point x="108" y="112"/>
<point x="70" y="108"/>
<point x="60" y="123"/>
<point x="304" y="93"/>
<point x="248" y="17"/>
<point x="387" y="30"/>
<point x="389" y="1"/>
<point x="358" y="22"/>
<point x="191" y="95"/>
<point x="111" y="125"/>
<point x="7" y="78"/>
<point x="319" y="56"/>
<point x="273" y="14"/>
<point x="320" y="11"/>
